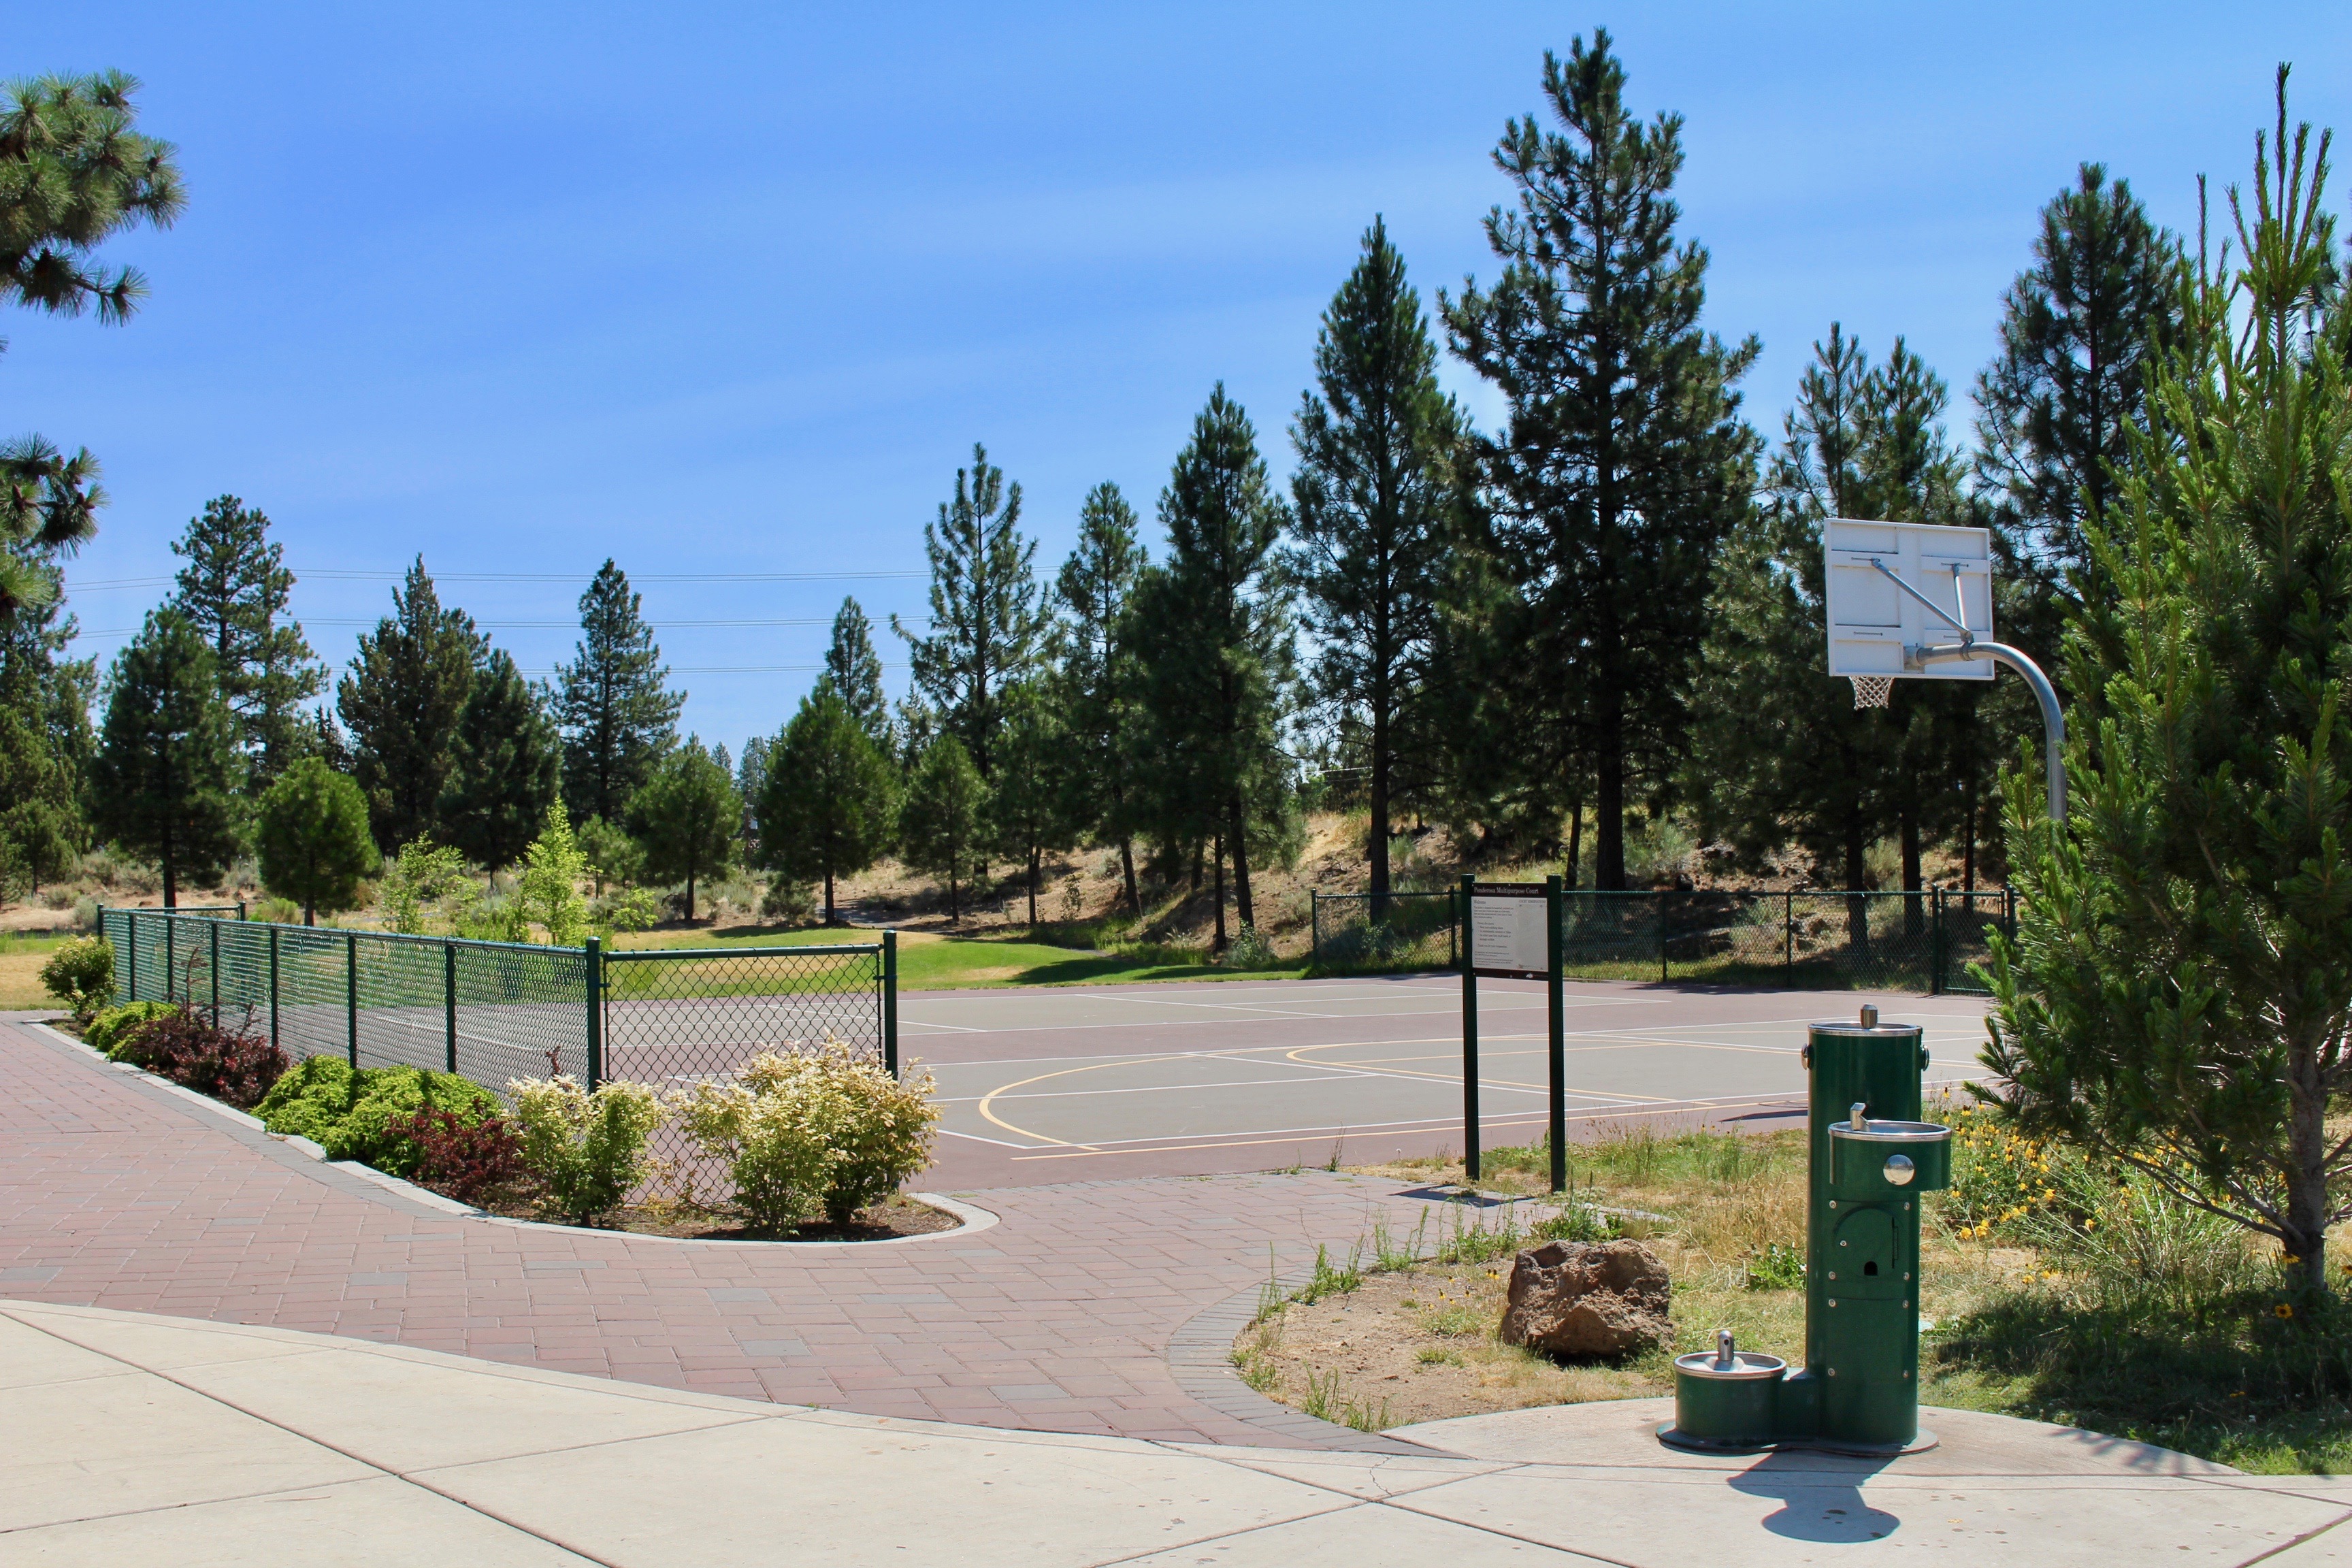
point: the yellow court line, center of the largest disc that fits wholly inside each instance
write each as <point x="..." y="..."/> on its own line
<point x="1076" y="1152"/>
<point x="1483" y="1079"/>
<point x="1130" y="1061"/>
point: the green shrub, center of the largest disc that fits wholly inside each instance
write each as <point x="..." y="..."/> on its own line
<point x="1250" y="949"/>
<point x="112" y="1028"/>
<point x="589" y="1150"/>
<point x="361" y="1115"/>
<point x="81" y="975"/>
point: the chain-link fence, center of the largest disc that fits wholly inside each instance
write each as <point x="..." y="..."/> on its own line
<point x="1370" y="933"/>
<point x="492" y="1011"/>
<point x="1927" y="940"/>
<point x="676" y="1015"/>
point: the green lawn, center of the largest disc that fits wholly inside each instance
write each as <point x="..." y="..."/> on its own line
<point x="21" y="957"/>
<point x="928" y="963"/>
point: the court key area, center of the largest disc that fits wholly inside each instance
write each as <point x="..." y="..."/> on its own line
<point x="1086" y="1084"/>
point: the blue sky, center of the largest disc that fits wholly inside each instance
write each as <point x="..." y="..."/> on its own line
<point x="729" y="291"/>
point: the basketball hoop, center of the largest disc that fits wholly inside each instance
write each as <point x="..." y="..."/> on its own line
<point x="1872" y="690"/>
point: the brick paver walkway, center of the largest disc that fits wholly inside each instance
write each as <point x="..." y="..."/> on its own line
<point x="113" y="1193"/>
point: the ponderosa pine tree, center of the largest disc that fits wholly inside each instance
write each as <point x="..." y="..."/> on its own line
<point x="46" y="743"/>
<point x="830" y="806"/>
<point x="312" y="838"/>
<point x="986" y="611"/>
<point x="73" y="175"/>
<point x="1214" y="637"/>
<point x="1029" y="804"/>
<point x="505" y="766"/>
<point x="1093" y="683"/>
<point x="1373" y="503"/>
<point x="1624" y="464"/>
<point x="752" y="783"/>
<point x="165" y="779"/>
<point x="617" y="715"/>
<point x="852" y="672"/>
<point x="233" y="589"/>
<point x="941" y="815"/>
<point x="2177" y="994"/>
<point x="2057" y="405"/>
<point x="687" y="817"/>
<point x="407" y="686"/>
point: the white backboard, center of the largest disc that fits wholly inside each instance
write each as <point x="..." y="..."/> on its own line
<point x="1871" y="621"/>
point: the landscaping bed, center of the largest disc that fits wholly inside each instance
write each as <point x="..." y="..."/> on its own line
<point x="896" y="1217"/>
<point x="806" y="1143"/>
<point x="2050" y="1290"/>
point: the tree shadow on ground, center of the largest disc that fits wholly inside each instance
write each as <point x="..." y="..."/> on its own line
<point x="2252" y="1379"/>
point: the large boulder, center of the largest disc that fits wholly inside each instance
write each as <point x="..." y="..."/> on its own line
<point x="1583" y="1298"/>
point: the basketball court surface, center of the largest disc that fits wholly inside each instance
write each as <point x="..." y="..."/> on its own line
<point x="1096" y="1083"/>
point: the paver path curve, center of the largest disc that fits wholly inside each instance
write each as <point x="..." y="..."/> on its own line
<point x="115" y="1193"/>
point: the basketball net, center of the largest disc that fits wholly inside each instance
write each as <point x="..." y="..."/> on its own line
<point x="1872" y="690"/>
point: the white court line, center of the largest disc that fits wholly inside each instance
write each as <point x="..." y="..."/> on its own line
<point x="1150" y="1089"/>
<point x="1195" y="1023"/>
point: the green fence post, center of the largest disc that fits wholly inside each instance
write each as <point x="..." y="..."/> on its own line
<point x="131" y="942"/>
<point x="240" y="912"/>
<point x="212" y="964"/>
<point x="890" y="1002"/>
<point x="1558" y="1052"/>
<point x="170" y="959"/>
<point x="595" y="953"/>
<point x="273" y="984"/>
<point x="1314" y="926"/>
<point x="1789" y="938"/>
<point x="1469" y="1045"/>
<point x="449" y="1001"/>
<point x="1658" y="903"/>
<point x="352" y="996"/>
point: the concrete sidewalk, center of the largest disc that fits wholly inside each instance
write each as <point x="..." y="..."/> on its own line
<point x="132" y="1440"/>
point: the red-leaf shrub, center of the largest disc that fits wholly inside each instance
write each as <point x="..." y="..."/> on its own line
<point x="476" y="1163"/>
<point x="234" y="1068"/>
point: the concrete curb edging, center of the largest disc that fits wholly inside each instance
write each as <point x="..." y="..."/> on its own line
<point x="1200" y="1355"/>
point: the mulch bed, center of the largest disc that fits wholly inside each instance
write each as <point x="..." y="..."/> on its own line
<point x="895" y="1217"/>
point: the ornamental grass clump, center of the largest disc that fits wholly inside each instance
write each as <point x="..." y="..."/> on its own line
<point x="804" y="1131"/>
<point x="587" y="1149"/>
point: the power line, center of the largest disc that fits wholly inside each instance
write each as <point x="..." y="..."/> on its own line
<point x="515" y="626"/>
<point x="340" y="576"/>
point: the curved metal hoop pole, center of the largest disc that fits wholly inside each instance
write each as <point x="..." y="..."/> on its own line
<point x="2054" y="721"/>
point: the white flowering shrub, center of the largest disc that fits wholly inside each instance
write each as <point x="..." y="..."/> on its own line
<point x="810" y="1130"/>
<point x="588" y="1149"/>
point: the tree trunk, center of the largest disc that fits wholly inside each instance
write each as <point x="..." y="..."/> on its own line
<point x="1033" y="887"/>
<point x="689" y="898"/>
<point x="1380" y="844"/>
<point x="828" y="895"/>
<point x="2307" y="1175"/>
<point x="170" y="876"/>
<point x="1969" y="852"/>
<point x="1915" y="907"/>
<point x="1217" y="943"/>
<point x="1242" y="904"/>
<point x="309" y="914"/>
<point x="1575" y="843"/>
<point x="1198" y="846"/>
<point x="1126" y="869"/>
<point x="1857" y="910"/>
<point x="1609" y="817"/>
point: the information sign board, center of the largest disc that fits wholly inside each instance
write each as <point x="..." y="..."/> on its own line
<point x="1507" y="938"/>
